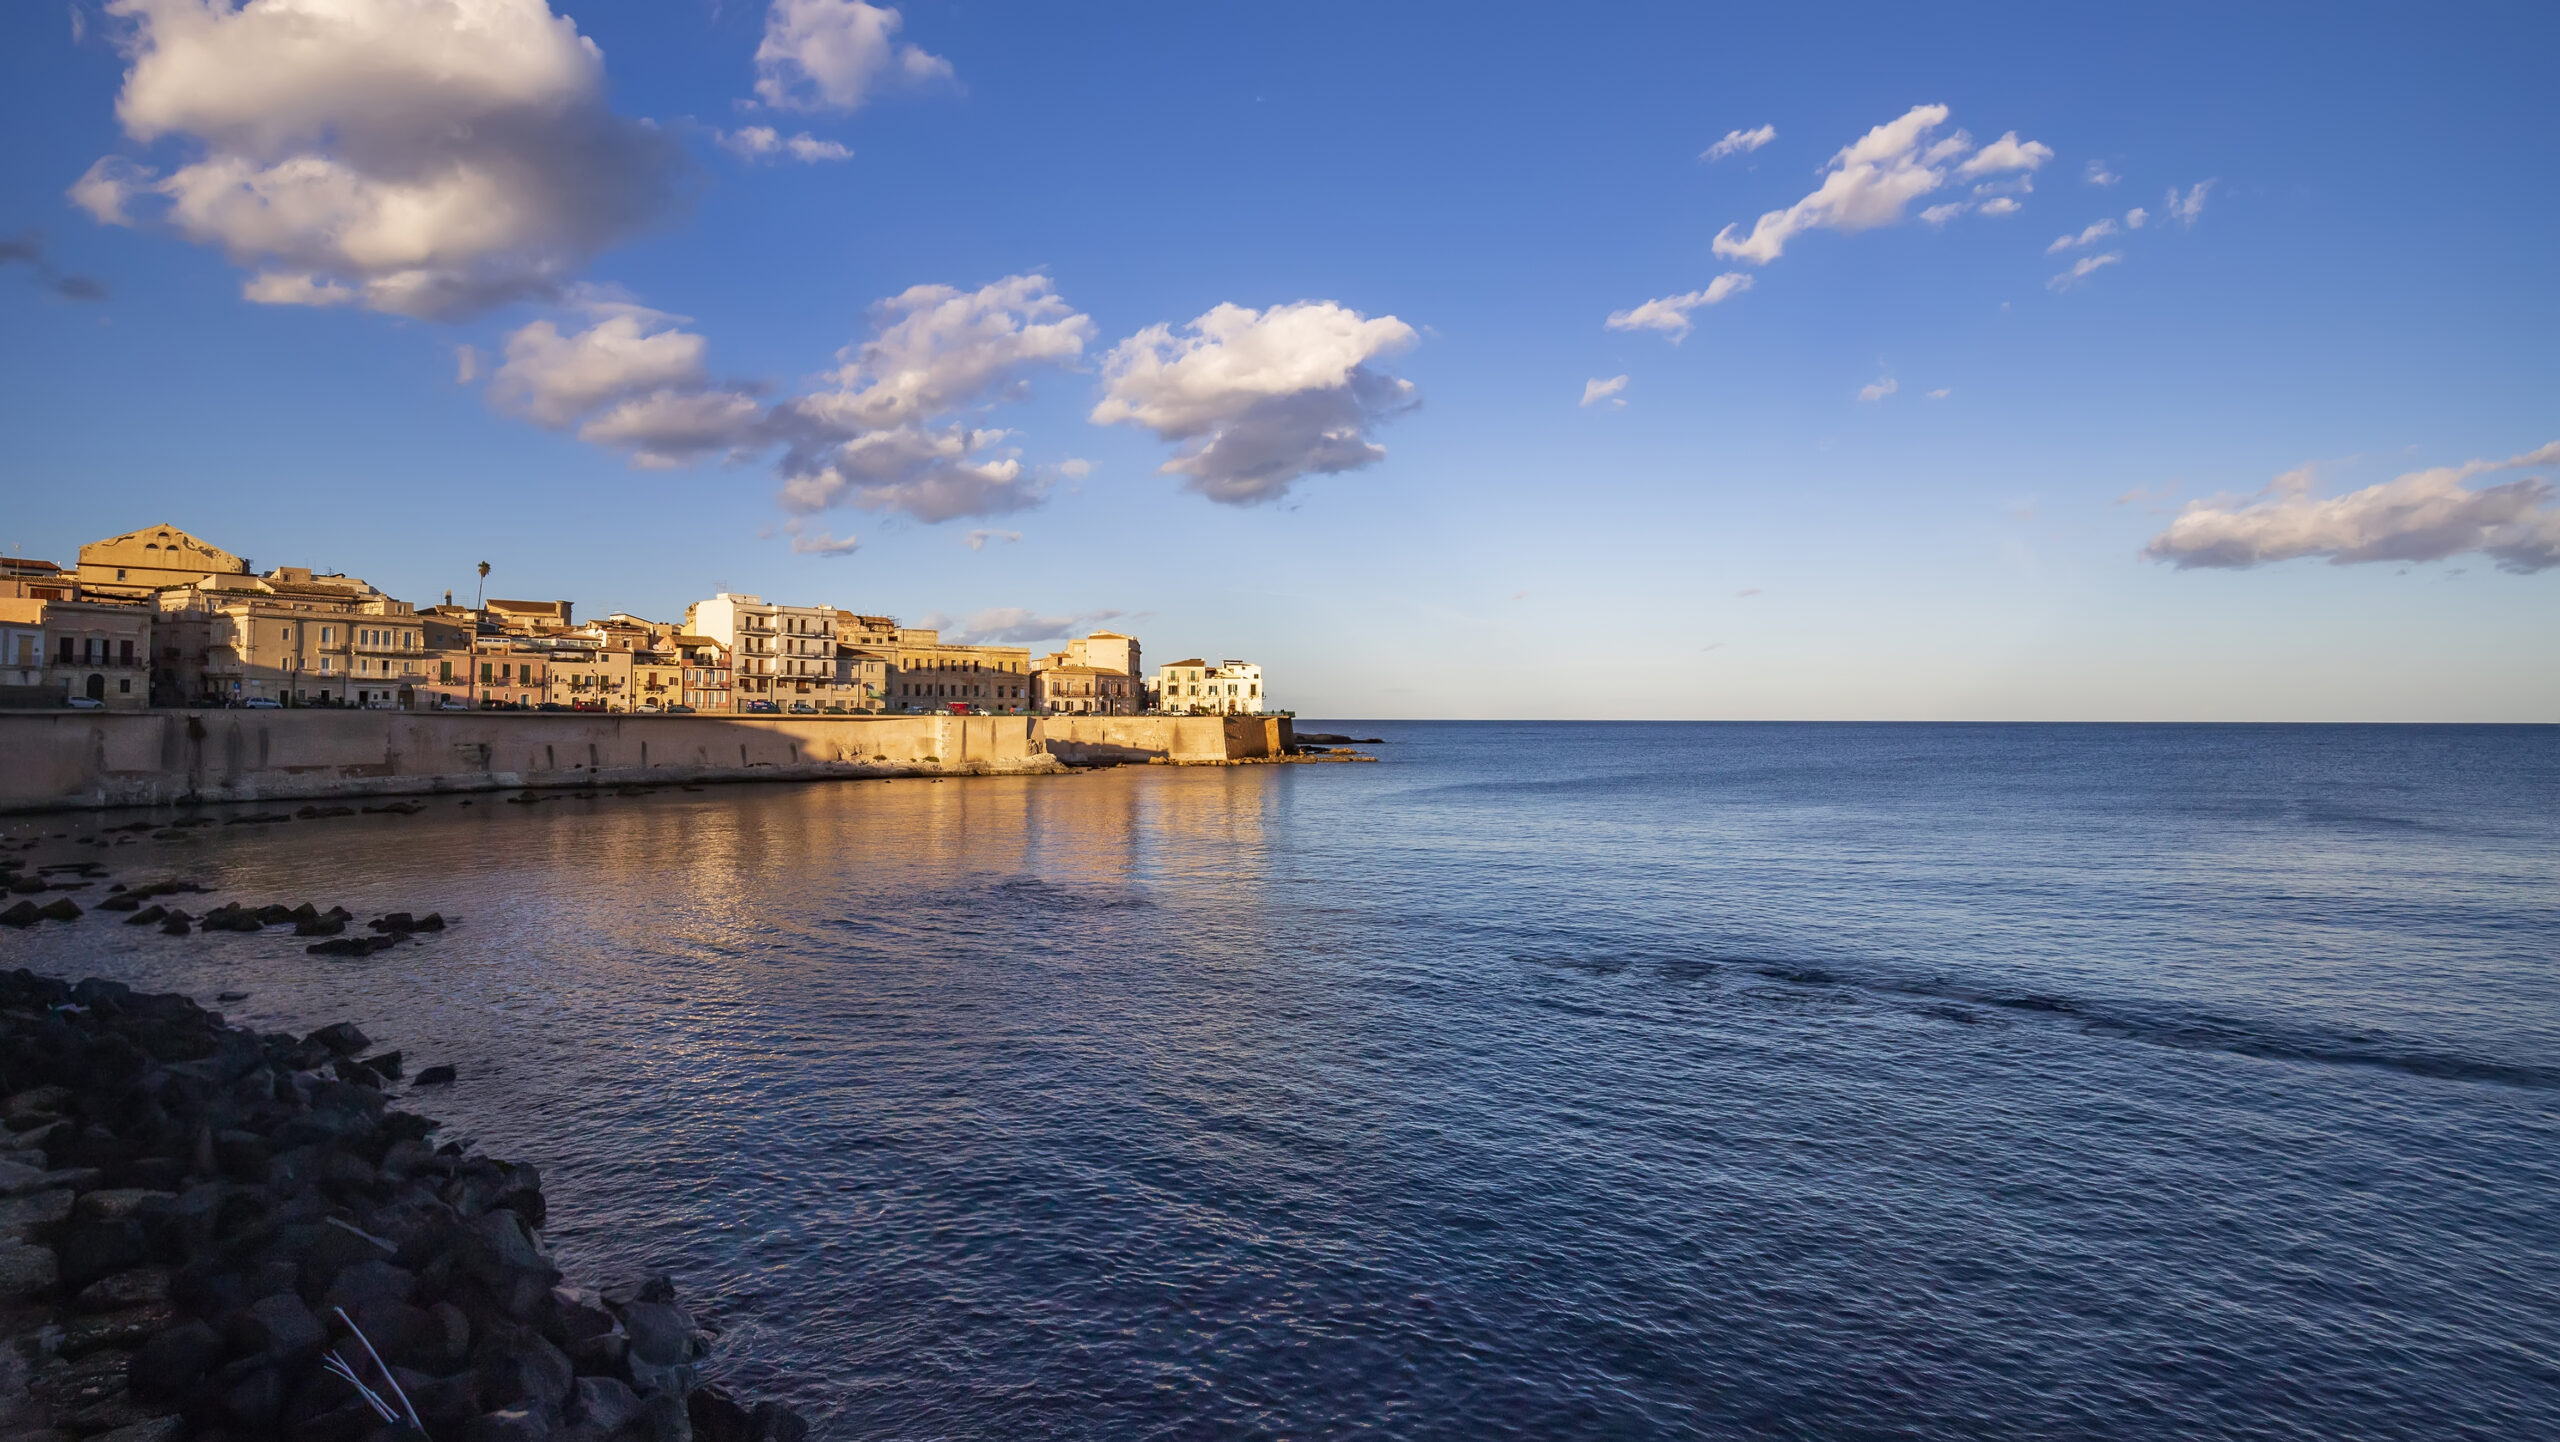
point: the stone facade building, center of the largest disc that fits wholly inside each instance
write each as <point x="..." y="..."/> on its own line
<point x="1193" y="686"/>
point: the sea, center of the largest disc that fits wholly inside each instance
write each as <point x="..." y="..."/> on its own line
<point x="1531" y="1081"/>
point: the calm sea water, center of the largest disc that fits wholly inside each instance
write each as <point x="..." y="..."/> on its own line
<point x="1538" y="1081"/>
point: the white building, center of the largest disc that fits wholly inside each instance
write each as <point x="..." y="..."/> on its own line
<point x="782" y="654"/>
<point x="1230" y="688"/>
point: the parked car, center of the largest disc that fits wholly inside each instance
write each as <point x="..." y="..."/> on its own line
<point x="550" y="706"/>
<point x="453" y="703"/>
<point x="762" y="706"/>
<point x="262" y="703"/>
<point x="803" y="708"/>
<point x="84" y="703"/>
<point x="679" y="709"/>
<point x="647" y="708"/>
<point x="575" y="706"/>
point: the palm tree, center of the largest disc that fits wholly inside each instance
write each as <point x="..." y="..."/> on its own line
<point x="484" y="585"/>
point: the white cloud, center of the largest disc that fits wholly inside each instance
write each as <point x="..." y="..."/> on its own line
<point x="466" y="364"/>
<point x="1941" y="393"/>
<point x="833" y="55"/>
<point x="1740" y="142"/>
<point x="1670" y="314"/>
<point x="2082" y="269"/>
<point x="552" y="379"/>
<point x="1878" y="390"/>
<point x="2136" y="218"/>
<point x="2424" y="515"/>
<point x="675" y="427"/>
<point x="932" y="473"/>
<point x="2097" y="231"/>
<point x="1075" y="470"/>
<point x="763" y="142"/>
<point x="2005" y="154"/>
<point x="1941" y="214"/>
<point x="805" y="542"/>
<point x="1260" y="398"/>
<point x="1014" y="625"/>
<point x="1596" y="390"/>
<point x="1871" y="182"/>
<point x="2098" y="174"/>
<point x="979" y="540"/>
<point x="2186" y="208"/>
<point x="421" y="157"/>
<point x="2004" y="205"/>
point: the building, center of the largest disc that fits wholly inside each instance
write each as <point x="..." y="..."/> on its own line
<point x="704" y="664"/>
<point x="1083" y="672"/>
<point x="289" y="636"/>
<point x="134" y="565"/>
<point x="926" y="673"/>
<point x="1086" y="691"/>
<point x="55" y="649"/>
<point x="1230" y="688"/>
<point x="527" y="618"/>
<point x="781" y="654"/>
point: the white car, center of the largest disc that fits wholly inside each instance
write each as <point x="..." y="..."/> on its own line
<point x="262" y="703"/>
<point x="84" y="703"/>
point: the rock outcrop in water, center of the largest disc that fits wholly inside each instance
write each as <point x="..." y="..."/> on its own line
<point x="208" y="1232"/>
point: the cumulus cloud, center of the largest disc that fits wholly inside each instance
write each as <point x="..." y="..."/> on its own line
<point x="884" y="433"/>
<point x="821" y="542"/>
<point x="2005" y="205"/>
<point x="2424" y="515"/>
<point x="2098" y="174"/>
<point x="1879" y="389"/>
<point x="1595" y="391"/>
<point x="1259" y="398"/>
<point x="1014" y="625"/>
<point x="2082" y="269"/>
<point x="27" y="249"/>
<point x="763" y="142"/>
<point x="466" y="364"/>
<point x="1739" y="142"/>
<point x="2095" y="232"/>
<point x="1874" y="180"/>
<point x="980" y="540"/>
<point x="835" y="54"/>
<point x="2185" y="208"/>
<point x="635" y="380"/>
<point x="422" y="157"/>
<point x="1670" y="314"/>
<point x="1941" y="214"/>
<point x="2136" y="218"/>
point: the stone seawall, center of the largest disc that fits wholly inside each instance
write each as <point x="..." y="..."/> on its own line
<point x="72" y="760"/>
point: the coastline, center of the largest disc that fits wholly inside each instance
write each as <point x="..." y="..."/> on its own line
<point x="201" y="1225"/>
<point x="86" y="761"/>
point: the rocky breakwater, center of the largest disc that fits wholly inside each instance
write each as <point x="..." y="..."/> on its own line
<point x="210" y="1232"/>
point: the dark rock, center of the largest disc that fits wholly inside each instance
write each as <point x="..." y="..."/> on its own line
<point x="386" y="1065"/>
<point x="22" y="915"/>
<point x="318" y="926"/>
<point x="342" y="1038"/>
<point x="92" y="1250"/>
<point x="519" y="1367"/>
<point x="255" y="1400"/>
<point x="176" y="925"/>
<point x="773" y="1422"/>
<point x="436" y="1076"/>
<point x="142" y="1286"/>
<point x="122" y="901"/>
<point x="716" y="1416"/>
<point x="369" y="1282"/>
<point x="60" y="909"/>
<point x="129" y="1328"/>
<point x="352" y="946"/>
<point x="666" y="1347"/>
<point x="169" y="1364"/>
<point x="148" y="915"/>
<point x="274" y="915"/>
<point x="278" y="1326"/>
<point x="509" y="1424"/>
<point x="603" y="1403"/>
<point x="661" y="1418"/>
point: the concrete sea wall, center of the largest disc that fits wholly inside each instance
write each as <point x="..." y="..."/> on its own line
<point x="57" y="760"/>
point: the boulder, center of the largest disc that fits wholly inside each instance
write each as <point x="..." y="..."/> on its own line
<point x="518" y="1367"/>
<point x="167" y="1365"/>
<point x="436" y="1076"/>
<point x="342" y="1038"/>
<point x="27" y="1271"/>
<point x="277" y="1326"/>
<point x="603" y="1403"/>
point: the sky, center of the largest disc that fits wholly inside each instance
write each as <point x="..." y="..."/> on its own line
<point x="1636" y="361"/>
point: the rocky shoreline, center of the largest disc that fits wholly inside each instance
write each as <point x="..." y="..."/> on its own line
<point x="208" y="1232"/>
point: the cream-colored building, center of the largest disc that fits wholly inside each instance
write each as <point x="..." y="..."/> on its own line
<point x="136" y="564"/>
<point x="704" y="671"/>
<point x="1194" y="687"/>
<point x="785" y="655"/>
<point x="55" y="649"/>
<point x="291" y="637"/>
<point x="926" y="673"/>
<point x="1080" y="679"/>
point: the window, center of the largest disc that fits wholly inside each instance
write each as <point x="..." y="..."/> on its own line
<point x="124" y="652"/>
<point x="328" y="634"/>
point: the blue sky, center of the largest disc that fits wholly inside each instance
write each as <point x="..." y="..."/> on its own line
<point x="1386" y="489"/>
